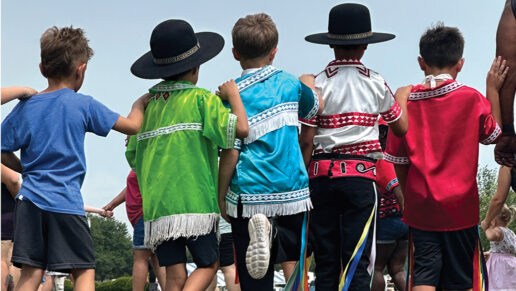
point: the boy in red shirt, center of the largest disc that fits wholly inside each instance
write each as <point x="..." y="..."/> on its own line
<point x="436" y="161"/>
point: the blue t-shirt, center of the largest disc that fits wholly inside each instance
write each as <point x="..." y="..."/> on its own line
<point x="49" y="129"/>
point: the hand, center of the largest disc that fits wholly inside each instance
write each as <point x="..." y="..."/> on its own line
<point x="484" y="224"/>
<point x="497" y="74"/>
<point x="308" y="80"/>
<point x="222" y="208"/>
<point x="403" y="93"/>
<point x="28" y="92"/>
<point x="145" y="99"/>
<point x="505" y="149"/>
<point x="109" y="207"/>
<point x="106" y="213"/>
<point x="228" y="89"/>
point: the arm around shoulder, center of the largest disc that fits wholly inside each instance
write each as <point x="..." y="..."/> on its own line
<point x="229" y="91"/>
<point x="132" y="123"/>
<point x="400" y="126"/>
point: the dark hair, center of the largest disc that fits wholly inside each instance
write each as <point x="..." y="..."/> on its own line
<point x="349" y="47"/>
<point x="441" y="46"/>
<point x="254" y="36"/>
<point x="61" y="50"/>
<point x="176" y="76"/>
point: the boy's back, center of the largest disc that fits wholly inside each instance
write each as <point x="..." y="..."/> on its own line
<point x="270" y="162"/>
<point x="49" y="129"/>
<point x="447" y="123"/>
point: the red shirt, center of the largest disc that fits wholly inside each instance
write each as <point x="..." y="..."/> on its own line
<point x="386" y="181"/>
<point x="446" y="124"/>
<point x="133" y="199"/>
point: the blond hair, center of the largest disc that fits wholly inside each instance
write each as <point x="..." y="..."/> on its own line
<point x="61" y="50"/>
<point x="507" y="214"/>
<point x="254" y="36"/>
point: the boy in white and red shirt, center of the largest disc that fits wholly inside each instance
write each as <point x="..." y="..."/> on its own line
<point x="345" y="147"/>
<point x="436" y="162"/>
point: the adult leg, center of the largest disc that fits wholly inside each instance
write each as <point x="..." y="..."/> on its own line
<point x="140" y="268"/>
<point x="229" y="276"/>
<point x="30" y="278"/>
<point x="7" y="246"/>
<point x="84" y="279"/>
<point x="160" y="272"/>
<point x="176" y="277"/>
<point x="324" y="225"/>
<point x="506" y="47"/>
<point x="383" y="254"/>
<point x="396" y="265"/>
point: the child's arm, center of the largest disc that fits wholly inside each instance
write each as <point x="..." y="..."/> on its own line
<point x="306" y="143"/>
<point x="11" y="180"/>
<point x="309" y="81"/>
<point x="399" y="196"/>
<point x="399" y="127"/>
<point x="119" y="199"/>
<point x="494" y="234"/>
<point x="494" y="81"/>
<point x="229" y="91"/>
<point x="16" y="92"/>
<point x="11" y="161"/>
<point x="227" y="165"/>
<point x="401" y="174"/>
<point x="133" y="122"/>
<point x="98" y="211"/>
<point x="500" y="196"/>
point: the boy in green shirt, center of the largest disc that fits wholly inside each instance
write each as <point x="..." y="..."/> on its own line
<point x="175" y="153"/>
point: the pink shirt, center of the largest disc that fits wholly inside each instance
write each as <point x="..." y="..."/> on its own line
<point x="133" y="199"/>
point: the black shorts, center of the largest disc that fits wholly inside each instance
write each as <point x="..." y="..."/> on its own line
<point x="204" y="250"/>
<point x="226" y="257"/>
<point x="51" y="240"/>
<point x="289" y="230"/>
<point x="444" y="259"/>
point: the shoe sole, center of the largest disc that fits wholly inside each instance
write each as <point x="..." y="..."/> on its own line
<point x="258" y="252"/>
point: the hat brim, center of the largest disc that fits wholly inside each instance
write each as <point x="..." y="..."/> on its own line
<point x="322" y="38"/>
<point x="210" y="45"/>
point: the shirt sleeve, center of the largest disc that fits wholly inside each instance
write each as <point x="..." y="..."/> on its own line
<point x="219" y="125"/>
<point x="395" y="151"/>
<point x="386" y="176"/>
<point x="390" y="110"/>
<point x="489" y="129"/>
<point x="10" y="142"/>
<point x="100" y="119"/>
<point x="308" y="102"/>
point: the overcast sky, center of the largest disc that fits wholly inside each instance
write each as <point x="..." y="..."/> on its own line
<point x="119" y="33"/>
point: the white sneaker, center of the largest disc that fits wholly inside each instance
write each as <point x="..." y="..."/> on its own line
<point x="259" y="249"/>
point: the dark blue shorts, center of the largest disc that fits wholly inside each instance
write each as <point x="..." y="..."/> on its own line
<point x="139" y="235"/>
<point x="391" y="229"/>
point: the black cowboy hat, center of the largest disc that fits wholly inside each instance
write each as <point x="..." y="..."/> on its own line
<point x="349" y="24"/>
<point x="175" y="49"/>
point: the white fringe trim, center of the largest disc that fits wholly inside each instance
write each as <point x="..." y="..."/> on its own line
<point x="285" y="118"/>
<point x="271" y="210"/>
<point x="179" y="225"/>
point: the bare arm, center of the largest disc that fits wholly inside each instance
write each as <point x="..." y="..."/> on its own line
<point x="399" y="127"/>
<point x="500" y="196"/>
<point x="494" y="81"/>
<point x="227" y="165"/>
<point x="309" y="81"/>
<point x="494" y="234"/>
<point x="402" y="173"/>
<point x="229" y="91"/>
<point x="399" y="196"/>
<point x="306" y="143"/>
<point x="132" y="123"/>
<point x="119" y="199"/>
<point x="11" y="180"/>
<point x="11" y="161"/>
<point x="16" y="92"/>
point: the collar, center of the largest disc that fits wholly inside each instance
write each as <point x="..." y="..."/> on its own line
<point x="439" y="78"/>
<point x="420" y="92"/>
<point x="249" y="71"/>
<point x="345" y="62"/>
<point x="168" y="86"/>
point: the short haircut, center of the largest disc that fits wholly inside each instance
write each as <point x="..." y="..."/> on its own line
<point x="61" y="50"/>
<point x="254" y="36"/>
<point x="441" y="46"/>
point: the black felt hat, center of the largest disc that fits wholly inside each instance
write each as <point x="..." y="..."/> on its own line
<point x="349" y="24"/>
<point x="175" y="49"/>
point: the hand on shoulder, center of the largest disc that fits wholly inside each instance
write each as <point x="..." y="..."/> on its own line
<point x="496" y="74"/>
<point x="228" y="89"/>
<point x="308" y="80"/>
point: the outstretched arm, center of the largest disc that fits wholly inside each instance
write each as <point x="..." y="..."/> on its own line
<point x="227" y="165"/>
<point x="119" y="199"/>
<point x="132" y="123"/>
<point x="500" y="196"/>
<point x="11" y="161"/>
<point x="98" y="211"/>
<point x="16" y="92"/>
<point x="399" y="127"/>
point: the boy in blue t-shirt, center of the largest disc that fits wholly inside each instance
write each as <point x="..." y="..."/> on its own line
<point x="51" y="228"/>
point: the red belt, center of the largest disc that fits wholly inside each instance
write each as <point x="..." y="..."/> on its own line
<point x="342" y="168"/>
